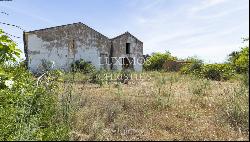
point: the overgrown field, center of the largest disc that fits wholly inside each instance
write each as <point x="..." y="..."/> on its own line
<point x="198" y="102"/>
<point x="157" y="106"/>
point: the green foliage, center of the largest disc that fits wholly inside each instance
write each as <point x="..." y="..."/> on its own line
<point x="156" y="61"/>
<point x="240" y="59"/>
<point x="245" y="79"/>
<point x="82" y="66"/>
<point x="98" y="77"/>
<point x="8" y="49"/>
<point x="29" y="111"/>
<point x="238" y="63"/>
<point x="193" y="67"/>
<point x="217" y="71"/>
<point x="3" y="78"/>
<point x="209" y="71"/>
<point x="46" y="65"/>
<point x="242" y="62"/>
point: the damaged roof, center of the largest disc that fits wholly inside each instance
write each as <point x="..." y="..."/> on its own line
<point x="126" y="33"/>
<point x="82" y="24"/>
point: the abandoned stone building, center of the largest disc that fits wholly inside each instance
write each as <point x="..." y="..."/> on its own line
<point x="62" y="45"/>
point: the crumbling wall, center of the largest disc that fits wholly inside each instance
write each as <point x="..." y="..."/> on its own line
<point x="136" y="51"/>
<point x="64" y="44"/>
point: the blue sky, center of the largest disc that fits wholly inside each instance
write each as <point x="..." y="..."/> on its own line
<point x="209" y="29"/>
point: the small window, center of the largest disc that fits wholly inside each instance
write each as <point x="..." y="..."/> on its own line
<point x="127" y="48"/>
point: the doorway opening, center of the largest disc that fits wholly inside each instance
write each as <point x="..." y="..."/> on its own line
<point x="127" y="63"/>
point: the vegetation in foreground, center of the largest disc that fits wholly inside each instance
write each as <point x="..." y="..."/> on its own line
<point x="164" y="106"/>
<point x="200" y="102"/>
<point x="29" y="107"/>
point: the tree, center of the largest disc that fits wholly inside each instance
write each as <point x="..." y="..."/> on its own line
<point x="156" y="61"/>
<point x="8" y="49"/>
<point x="240" y="59"/>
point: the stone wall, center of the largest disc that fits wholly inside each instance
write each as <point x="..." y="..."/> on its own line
<point x="136" y="51"/>
<point x="63" y="45"/>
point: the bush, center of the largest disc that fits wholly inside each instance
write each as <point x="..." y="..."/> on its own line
<point x="209" y="71"/>
<point x="217" y="71"/>
<point x="243" y="61"/>
<point x="82" y="66"/>
<point x="30" y="111"/>
<point x="193" y="67"/>
<point x="45" y="66"/>
<point x="240" y="59"/>
<point x="246" y="79"/>
<point x="98" y="77"/>
<point x="157" y="60"/>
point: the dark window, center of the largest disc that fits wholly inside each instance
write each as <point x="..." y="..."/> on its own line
<point x="127" y="48"/>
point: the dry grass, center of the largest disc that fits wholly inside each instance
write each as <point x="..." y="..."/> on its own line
<point x="169" y="106"/>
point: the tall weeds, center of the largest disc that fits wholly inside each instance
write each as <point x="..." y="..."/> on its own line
<point x="29" y="111"/>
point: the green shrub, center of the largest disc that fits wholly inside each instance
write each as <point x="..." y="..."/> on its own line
<point x="246" y="79"/>
<point x="209" y="71"/>
<point x="30" y="111"/>
<point x="98" y="77"/>
<point x="217" y="71"/>
<point x="193" y="67"/>
<point x="82" y="66"/>
<point x="240" y="60"/>
<point x="156" y="61"/>
<point x="46" y="65"/>
<point x="3" y="78"/>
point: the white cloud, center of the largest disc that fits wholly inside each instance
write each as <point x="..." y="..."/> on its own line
<point x="211" y="9"/>
<point x="210" y="53"/>
<point x="188" y="30"/>
<point x="205" y="4"/>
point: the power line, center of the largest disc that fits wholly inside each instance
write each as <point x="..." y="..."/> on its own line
<point x="4" y="13"/>
<point x="11" y="35"/>
<point x="12" y="25"/>
<point x="13" y="40"/>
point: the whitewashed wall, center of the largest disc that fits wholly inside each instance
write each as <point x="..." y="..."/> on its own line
<point x="55" y="45"/>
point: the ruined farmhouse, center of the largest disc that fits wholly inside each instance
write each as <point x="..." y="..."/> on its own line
<point x="62" y="45"/>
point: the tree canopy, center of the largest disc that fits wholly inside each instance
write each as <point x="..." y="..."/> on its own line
<point x="8" y="49"/>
